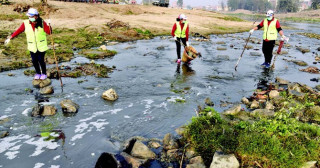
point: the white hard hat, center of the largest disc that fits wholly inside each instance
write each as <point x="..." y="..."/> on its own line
<point x="182" y="16"/>
<point x="269" y="13"/>
<point x="32" y="12"/>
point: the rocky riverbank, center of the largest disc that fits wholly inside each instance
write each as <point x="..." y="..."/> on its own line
<point x="278" y="126"/>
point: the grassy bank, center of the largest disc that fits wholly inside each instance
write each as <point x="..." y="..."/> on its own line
<point x="288" y="138"/>
<point x="15" y="55"/>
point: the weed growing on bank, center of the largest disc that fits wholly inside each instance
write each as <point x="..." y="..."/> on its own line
<point x="288" y="139"/>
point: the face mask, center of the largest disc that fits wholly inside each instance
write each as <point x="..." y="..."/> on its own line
<point x="184" y="21"/>
<point x="32" y="19"/>
<point x="269" y="18"/>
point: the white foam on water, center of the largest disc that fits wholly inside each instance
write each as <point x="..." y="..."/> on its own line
<point x="55" y="166"/>
<point x="93" y="95"/>
<point x="126" y="116"/>
<point x="15" y="148"/>
<point x="3" y="117"/>
<point x="99" y="124"/>
<point x="1" y="166"/>
<point x="11" y="155"/>
<point x="11" y="141"/>
<point x="147" y="106"/>
<point x="41" y="144"/>
<point x="8" y="109"/>
<point x="47" y="103"/>
<point x="26" y="102"/>
<point x="26" y="111"/>
<point x="99" y="113"/>
<point x="38" y="165"/>
<point x="115" y="111"/>
<point x="173" y="99"/>
<point x="57" y="157"/>
<point x="162" y="105"/>
<point x="81" y="127"/>
<point x="77" y="136"/>
<point x="130" y="105"/>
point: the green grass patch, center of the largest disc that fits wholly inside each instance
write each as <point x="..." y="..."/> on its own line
<point x="280" y="141"/>
<point x="144" y="32"/>
<point x="311" y="35"/>
<point x="302" y="19"/>
<point x="12" y="17"/>
<point x="231" y="18"/>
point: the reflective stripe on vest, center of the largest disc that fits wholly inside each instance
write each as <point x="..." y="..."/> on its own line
<point x="181" y="33"/>
<point x="37" y="39"/>
<point x="270" y="32"/>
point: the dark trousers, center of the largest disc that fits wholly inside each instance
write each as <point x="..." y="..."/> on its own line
<point x="267" y="49"/>
<point x="184" y="41"/>
<point x="38" y="61"/>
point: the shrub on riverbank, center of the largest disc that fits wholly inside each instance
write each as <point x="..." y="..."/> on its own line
<point x="278" y="141"/>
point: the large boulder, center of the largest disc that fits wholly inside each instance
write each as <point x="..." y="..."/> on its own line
<point x="173" y="155"/>
<point x="282" y="81"/>
<point x="4" y="120"/>
<point x="263" y="112"/>
<point x="255" y="104"/>
<point x="3" y="134"/>
<point x="221" y="48"/>
<point x="110" y="95"/>
<point x="273" y="94"/>
<point x="255" y="53"/>
<point x="169" y="142"/>
<point x="303" y="50"/>
<point x="141" y="151"/>
<point x="311" y="164"/>
<point x="47" y="90"/>
<point x="69" y="106"/>
<point x="180" y="130"/>
<point x="36" y="110"/>
<point x="49" y="110"/>
<point x="294" y="86"/>
<point x="107" y="160"/>
<point x="245" y="101"/>
<point x="135" y="162"/>
<point x="208" y="102"/>
<point x="197" y="159"/>
<point x="41" y="83"/>
<point x="196" y="162"/>
<point x="154" y="144"/>
<point x="233" y="110"/>
<point x="269" y="106"/>
<point x="224" y="161"/>
<point x="190" y="153"/>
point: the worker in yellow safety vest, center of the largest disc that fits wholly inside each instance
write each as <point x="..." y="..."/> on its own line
<point x="271" y="27"/>
<point x="35" y="29"/>
<point x="180" y="33"/>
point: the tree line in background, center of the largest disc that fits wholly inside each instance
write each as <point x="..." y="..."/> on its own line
<point x="315" y="4"/>
<point x="263" y="5"/>
<point x="252" y="5"/>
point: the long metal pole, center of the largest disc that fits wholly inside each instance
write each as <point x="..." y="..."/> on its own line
<point x="55" y="57"/>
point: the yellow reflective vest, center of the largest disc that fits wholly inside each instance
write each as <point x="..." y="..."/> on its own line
<point x="181" y="33"/>
<point x="37" y="39"/>
<point x="270" y="32"/>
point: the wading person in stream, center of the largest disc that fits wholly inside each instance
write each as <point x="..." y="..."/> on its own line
<point x="180" y="33"/>
<point x="35" y="29"/>
<point x="271" y="28"/>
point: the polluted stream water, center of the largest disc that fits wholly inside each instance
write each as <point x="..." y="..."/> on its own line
<point x="156" y="96"/>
